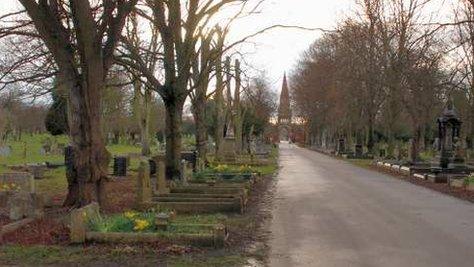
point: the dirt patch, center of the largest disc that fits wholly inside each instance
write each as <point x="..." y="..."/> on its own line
<point x="4" y="220"/>
<point x="249" y="233"/>
<point x="39" y="232"/>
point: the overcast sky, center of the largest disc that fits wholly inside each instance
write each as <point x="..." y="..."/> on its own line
<point x="276" y="51"/>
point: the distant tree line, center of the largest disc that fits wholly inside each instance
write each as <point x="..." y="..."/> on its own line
<point x="385" y="74"/>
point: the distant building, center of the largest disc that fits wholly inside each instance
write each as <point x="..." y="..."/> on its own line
<point x="284" y="112"/>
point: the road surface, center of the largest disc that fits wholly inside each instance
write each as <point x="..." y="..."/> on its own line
<point x="331" y="213"/>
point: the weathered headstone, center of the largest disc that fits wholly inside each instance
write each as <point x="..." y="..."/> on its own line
<point x="144" y="190"/>
<point x="152" y="166"/>
<point x="79" y="219"/>
<point x="184" y="172"/>
<point x="24" y="204"/>
<point x="341" y="149"/>
<point x="161" y="183"/>
<point x="5" y="151"/>
<point x="120" y="166"/>
<point x="190" y="156"/>
<point x="38" y="170"/>
<point x="23" y="181"/>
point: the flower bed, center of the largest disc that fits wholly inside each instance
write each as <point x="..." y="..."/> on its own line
<point x="149" y="227"/>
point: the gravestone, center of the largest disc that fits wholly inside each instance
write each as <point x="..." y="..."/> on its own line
<point x="161" y="183"/>
<point x="38" y="170"/>
<point x="120" y="166"/>
<point x="152" y="166"/>
<point x="144" y="190"/>
<point x="449" y="128"/>
<point x="359" y="151"/>
<point x="5" y="151"/>
<point x="24" y="181"/>
<point x="182" y="171"/>
<point x="341" y="149"/>
<point x="190" y="156"/>
<point x="21" y="201"/>
<point x="23" y="204"/>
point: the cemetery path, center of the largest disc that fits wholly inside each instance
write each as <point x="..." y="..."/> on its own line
<point x="330" y="213"/>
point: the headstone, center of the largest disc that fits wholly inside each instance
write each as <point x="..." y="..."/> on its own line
<point x="5" y="151"/>
<point x="228" y="150"/>
<point x="79" y="219"/>
<point x="184" y="172"/>
<point x="341" y="149"/>
<point x="23" y="181"/>
<point x="144" y="190"/>
<point x="161" y="183"/>
<point x="190" y="156"/>
<point x="120" y="166"/>
<point x="24" y="204"/>
<point x="152" y="167"/>
<point x="38" y="170"/>
<point x="42" y="151"/>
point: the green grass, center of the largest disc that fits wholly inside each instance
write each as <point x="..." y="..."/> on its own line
<point x="120" y="255"/>
<point x="364" y="163"/>
<point x="55" y="180"/>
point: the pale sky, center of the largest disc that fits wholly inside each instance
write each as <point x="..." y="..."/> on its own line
<point x="278" y="50"/>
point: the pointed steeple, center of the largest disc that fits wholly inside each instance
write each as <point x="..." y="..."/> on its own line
<point x="284" y="111"/>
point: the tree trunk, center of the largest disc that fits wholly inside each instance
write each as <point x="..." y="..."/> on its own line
<point x="415" y="144"/>
<point x="91" y="158"/>
<point x="174" y="112"/>
<point x="370" y="135"/>
<point x="201" y="130"/>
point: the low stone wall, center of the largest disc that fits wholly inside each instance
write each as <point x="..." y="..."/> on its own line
<point x="215" y="237"/>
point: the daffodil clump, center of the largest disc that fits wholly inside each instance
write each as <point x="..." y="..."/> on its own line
<point x="9" y="187"/>
<point x="129" y="221"/>
<point x="141" y="225"/>
<point x="245" y="169"/>
<point x="222" y="168"/>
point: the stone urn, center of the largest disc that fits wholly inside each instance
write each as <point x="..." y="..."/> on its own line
<point x="162" y="221"/>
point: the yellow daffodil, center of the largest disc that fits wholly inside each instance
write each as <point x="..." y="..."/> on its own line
<point x="130" y="214"/>
<point x="141" y="225"/>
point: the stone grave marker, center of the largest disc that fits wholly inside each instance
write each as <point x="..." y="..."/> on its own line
<point x="161" y="183"/>
<point x="152" y="167"/>
<point x="120" y="166"/>
<point x="24" y="181"/>
<point x="144" y="190"/>
<point x="190" y="156"/>
<point x="5" y="151"/>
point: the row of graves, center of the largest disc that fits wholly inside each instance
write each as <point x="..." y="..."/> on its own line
<point x="449" y="166"/>
<point x="204" y="192"/>
<point x="187" y="211"/>
<point x="340" y="148"/>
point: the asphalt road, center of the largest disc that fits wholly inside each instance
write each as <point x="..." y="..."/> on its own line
<point x="331" y="213"/>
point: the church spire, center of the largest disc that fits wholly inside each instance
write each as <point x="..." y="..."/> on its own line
<point x="284" y="112"/>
